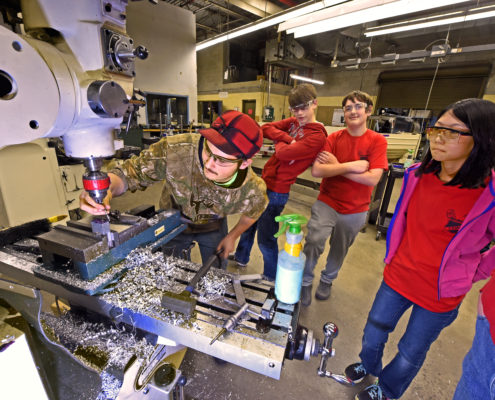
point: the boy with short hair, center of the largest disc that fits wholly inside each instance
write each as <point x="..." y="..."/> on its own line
<point x="351" y="163"/>
<point x="298" y="140"/>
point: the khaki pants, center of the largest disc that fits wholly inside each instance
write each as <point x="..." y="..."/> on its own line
<point x="342" y="229"/>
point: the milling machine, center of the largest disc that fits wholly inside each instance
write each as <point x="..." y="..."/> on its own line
<point x="75" y="58"/>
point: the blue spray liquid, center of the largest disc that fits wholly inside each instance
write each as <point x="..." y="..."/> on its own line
<point x="290" y="271"/>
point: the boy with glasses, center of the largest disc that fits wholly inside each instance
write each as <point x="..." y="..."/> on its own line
<point x="351" y="163"/>
<point x="297" y="142"/>
<point x="207" y="177"/>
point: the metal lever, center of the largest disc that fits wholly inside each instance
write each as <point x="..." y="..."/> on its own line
<point x="179" y="388"/>
<point x="330" y="331"/>
<point x="248" y="310"/>
<point x="231" y="322"/>
<point x="236" y="283"/>
<point x="124" y="54"/>
<point x="134" y="105"/>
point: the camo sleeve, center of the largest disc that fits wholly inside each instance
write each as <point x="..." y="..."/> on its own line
<point x="255" y="198"/>
<point x="142" y="171"/>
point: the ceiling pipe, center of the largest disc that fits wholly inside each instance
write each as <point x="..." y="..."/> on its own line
<point x="206" y="27"/>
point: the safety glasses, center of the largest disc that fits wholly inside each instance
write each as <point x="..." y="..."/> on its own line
<point x="447" y="134"/>
<point x="301" y="107"/>
<point x="219" y="160"/>
<point x="357" y="107"/>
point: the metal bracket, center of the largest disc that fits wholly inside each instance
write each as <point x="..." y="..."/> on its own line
<point x="236" y="282"/>
<point x="18" y="289"/>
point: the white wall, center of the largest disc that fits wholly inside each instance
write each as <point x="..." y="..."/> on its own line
<point x="169" y="33"/>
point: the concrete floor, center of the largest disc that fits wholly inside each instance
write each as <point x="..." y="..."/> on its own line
<point x="352" y="295"/>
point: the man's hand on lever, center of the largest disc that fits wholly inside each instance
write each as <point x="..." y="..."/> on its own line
<point x="226" y="246"/>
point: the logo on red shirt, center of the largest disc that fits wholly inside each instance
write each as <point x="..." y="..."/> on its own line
<point x="453" y="223"/>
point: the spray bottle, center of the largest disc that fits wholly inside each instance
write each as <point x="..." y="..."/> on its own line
<point x="290" y="266"/>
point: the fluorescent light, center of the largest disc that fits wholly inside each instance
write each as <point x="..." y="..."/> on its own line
<point x="386" y="9"/>
<point x="413" y="21"/>
<point x="430" y="24"/>
<point x="319" y="15"/>
<point x="268" y="21"/>
<point x="422" y="25"/>
<point x="212" y="42"/>
<point x="306" y="79"/>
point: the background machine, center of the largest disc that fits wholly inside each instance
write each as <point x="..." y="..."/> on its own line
<point x="92" y="290"/>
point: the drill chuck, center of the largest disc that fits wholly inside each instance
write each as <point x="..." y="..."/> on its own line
<point x="95" y="182"/>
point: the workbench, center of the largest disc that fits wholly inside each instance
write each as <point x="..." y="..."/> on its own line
<point x="246" y="346"/>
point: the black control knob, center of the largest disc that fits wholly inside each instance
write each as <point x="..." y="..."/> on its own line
<point x="141" y="52"/>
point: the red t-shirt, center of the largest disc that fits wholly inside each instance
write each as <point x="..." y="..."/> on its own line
<point x="342" y="194"/>
<point x="434" y="215"/>
<point x="488" y="300"/>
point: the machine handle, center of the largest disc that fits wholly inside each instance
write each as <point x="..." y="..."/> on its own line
<point x="203" y="270"/>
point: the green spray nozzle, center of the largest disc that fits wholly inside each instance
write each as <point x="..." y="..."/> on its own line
<point x="294" y="221"/>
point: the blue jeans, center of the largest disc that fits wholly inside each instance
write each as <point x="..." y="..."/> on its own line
<point x="478" y="369"/>
<point x="267" y="227"/>
<point x="207" y="242"/>
<point x="422" y="330"/>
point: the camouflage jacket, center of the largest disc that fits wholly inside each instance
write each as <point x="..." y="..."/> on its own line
<point x="175" y="159"/>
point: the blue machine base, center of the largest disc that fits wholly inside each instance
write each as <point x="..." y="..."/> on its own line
<point x="159" y="233"/>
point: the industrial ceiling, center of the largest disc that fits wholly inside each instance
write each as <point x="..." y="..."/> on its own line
<point x="215" y="17"/>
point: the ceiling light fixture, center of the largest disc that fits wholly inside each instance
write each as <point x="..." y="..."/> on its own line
<point x="431" y="24"/>
<point x="415" y="21"/>
<point x="306" y="79"/>
<point x="357" y="12"/>
<point x="268" y="21"/>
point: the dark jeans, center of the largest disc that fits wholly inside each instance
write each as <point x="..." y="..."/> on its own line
<point x="207" y="242"/>
<point x="267" y="227"/>
<point x="422" y="330"/>
<point x="478" y="369"/>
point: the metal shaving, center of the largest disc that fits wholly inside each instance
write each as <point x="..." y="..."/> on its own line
<point x="149" y="275"/>
<point x="110" y="387"/>
<point x="159" y="217"/>
<point x="28" y="242"/>
<point x="97" y="344"/>
<point x="141" y="288"/>
<point x="213" y="286"/>
<point x="153" y="220"/>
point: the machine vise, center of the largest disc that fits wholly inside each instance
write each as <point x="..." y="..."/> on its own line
<point x="91" y="247"/>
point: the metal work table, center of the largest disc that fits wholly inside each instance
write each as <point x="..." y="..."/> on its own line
<point x="246" y="347"/>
